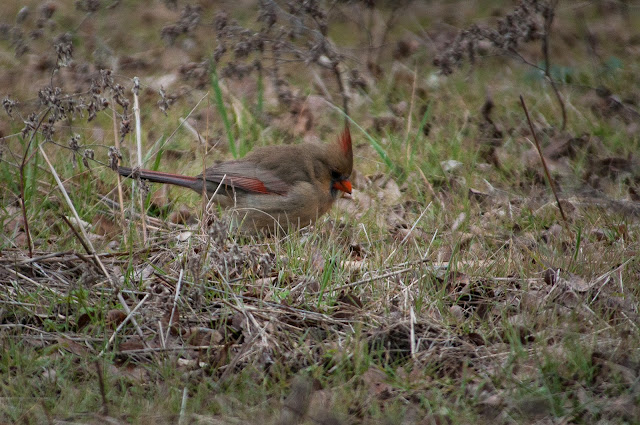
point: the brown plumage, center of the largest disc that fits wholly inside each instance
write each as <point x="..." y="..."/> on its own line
<point x="273" y="187"/>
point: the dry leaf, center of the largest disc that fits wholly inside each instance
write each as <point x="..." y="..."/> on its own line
<point x="576" y="283"/>
<point x="172" y="314"/>
<point x="83" y="320"/>
<point x="375" y="379"/>
<point x="114" y="318"/>
<point x="297" y="402"/>
<point x="478" y="196"/>
<point x="180" y="216"/>
<point x="450" y="165"/>
<point x="77" y="223"/>
<point x="133" y="343"/>
<point x="160" y="197"/>
<point x="183" y="236"/>
<point x="104" y="226"/>
<point x="201" y="337"/>
<point x="72" y="346"/>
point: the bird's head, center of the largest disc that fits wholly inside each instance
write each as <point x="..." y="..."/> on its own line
<point x="341" y="154"/>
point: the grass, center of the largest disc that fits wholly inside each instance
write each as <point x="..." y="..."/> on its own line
<point x="414" y="302"/>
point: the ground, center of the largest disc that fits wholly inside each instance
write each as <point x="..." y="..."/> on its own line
<point x="470" y="277"/>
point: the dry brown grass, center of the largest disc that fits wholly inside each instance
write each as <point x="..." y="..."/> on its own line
<point x="447" y="290"/>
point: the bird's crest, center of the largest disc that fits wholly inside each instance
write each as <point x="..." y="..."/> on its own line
<point x="346" y="159"/>
<point x="345" y="141"/>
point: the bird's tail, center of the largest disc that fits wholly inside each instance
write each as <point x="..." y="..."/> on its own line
<point x="160" y="177"/>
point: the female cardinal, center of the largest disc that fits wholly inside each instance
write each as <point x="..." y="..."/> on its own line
<point x="273" y="186"/>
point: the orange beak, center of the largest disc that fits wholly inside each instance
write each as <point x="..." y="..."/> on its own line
<point x="343" y="185"/>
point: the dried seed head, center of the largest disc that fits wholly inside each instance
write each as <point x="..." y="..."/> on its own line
<point x="521" y="25"/>
<point x="114" y="158"/>
<point x="18" y="42"/>
<point x="64" y="50"/>
<point x="220" y="21"/>
<point x="5" y="31"/>
<point x="74" y="144"/>
<point x="47" y="129"/>
<point x="189" y="20"/>
<point x="22" y="15"/>
<point x="88" y="6"/>
<point x="75" y="147"/>
<point x="86" y="156"/>
<point x="169" y="34"/>
<point x="220" y="50"/>
<point x="8" y="105"/>
<point x="125" y="128"/>
<point x="164" y="103"/>
<point x="47" y="10"/>
<point x="171" y="4"/>
<point x="30" y="124"/>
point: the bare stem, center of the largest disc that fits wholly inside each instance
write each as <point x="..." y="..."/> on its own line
<point x="103" y="393"/>
<point x="341" y="87"/>
<point x="548" y="21"/>
<point x="26" y="158"/>
<point x="544" y="163"/>
<point x="136" y="112"/>
<point x="120" y="197"/>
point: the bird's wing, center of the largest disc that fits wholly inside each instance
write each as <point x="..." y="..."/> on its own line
<point x="247" y="176"/>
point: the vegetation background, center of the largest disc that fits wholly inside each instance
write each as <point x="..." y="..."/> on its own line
<point x="452" y="287"/>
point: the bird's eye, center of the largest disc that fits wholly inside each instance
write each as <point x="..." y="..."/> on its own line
<point x="335" y="175"/>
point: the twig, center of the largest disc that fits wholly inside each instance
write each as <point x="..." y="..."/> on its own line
<point x="544" y="163"/>
<point x="90" y="249"/>
<point x="398" y="6"/>
<point x="136" y="113"/>
<point x="119" y="179"/>
<point x="155" y="350"/>
<point x="183" y="406"/>
<point x="23" y="208"/>
<point x="408" y="233"/>
<point x="311" y="315"/>
<point x="46" y="256"/>
<point x="548" y="21"/>
<point x="168" y="139"/>
<point x="342" y="87"/>
<point x="234" y="362"/>
<point x="432" y="192"/>
<point x="175" y="304"/>
<point x="121" y="325"/>
<point x="46" y="411"/>
<point x="28" y="279"/>
<point x="368" y="29"/>
<point x="88" y="245"/>
<point x="204" y="166"/>
<point x="82" y="242"/>
<point x="25" y="158"/>
<point x="371" y="279"/>
<point x="103" y="393"/>
<point x="190" y="129"/>
<point x="409" y="115"/>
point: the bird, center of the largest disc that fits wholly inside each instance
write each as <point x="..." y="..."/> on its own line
<point x="273" y="188"/>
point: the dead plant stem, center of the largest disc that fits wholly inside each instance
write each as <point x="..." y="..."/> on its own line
<point x="544" y="163"/>
<point x="103" y="393"/>
<point x="26" y="158"/>
<point x="136" y="113"/>
<point x="119" y="180"/>
<point x="548" y="21"/>
<point x="90" y="249"/>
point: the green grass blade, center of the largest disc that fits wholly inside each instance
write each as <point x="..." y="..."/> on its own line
<point x="423" y="122"/>
<point x="377" y="146"/>
<point x="217" y="92"/>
